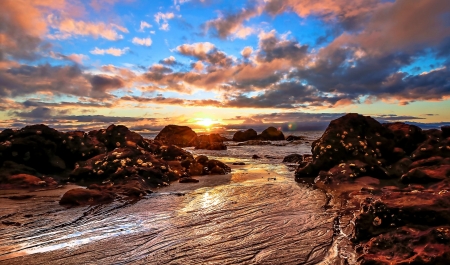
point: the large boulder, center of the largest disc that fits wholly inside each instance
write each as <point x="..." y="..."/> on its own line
<point x="182" y="136"/>
<point x="211" y="142"/>
<point x="351" y="137"/>
<point x="242" y="136"/>
<point x="271" y="134"/>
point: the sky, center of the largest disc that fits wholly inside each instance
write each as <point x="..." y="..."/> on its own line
<point x="296" y="64"/>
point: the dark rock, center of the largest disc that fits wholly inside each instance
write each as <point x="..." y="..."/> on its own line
<point x="182" y="136"/>
<point x="271" y="134"/>
<point x="241" y="136"/>
<point x="238" y="163"/>
<point x="294" y="158"/>
<point x="21" y="197"/>
<point x="211" y="146"/>
<point x="254" y="142"/>
<point x="188" y="180"/>
<point x="202" y="159"/>
<point x="291" y="138"/>
<point x="445" y="131"/>
<point x="256" y="157"/>
<point x="351" y="137"/>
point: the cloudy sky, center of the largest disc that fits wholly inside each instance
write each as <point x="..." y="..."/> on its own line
<point x="80" y="64"/>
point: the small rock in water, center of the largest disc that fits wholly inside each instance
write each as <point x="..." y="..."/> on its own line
<point x="256" y="157"/>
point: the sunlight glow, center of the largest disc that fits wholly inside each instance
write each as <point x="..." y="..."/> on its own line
<point x="207" y="122"/>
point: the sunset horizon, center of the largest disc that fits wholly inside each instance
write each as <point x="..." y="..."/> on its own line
<point x="83" y="64"/>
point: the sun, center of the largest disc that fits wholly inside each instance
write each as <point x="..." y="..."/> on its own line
<point x="207" y="122"/>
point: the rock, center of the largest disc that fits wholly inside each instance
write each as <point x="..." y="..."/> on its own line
<point x="254" y="142"/>
<point x="188" y="180"/>
<point x="400" y="167"/>
<point x="26" y="181"/>
<point x="241" y="136"/>
<point x="80" y="197"/>
<point x="212" y="138"/>
<point x="21" y="197"/>
<point x="294" y="158"/>
<point x="256" y="157"/>
<point x="351" y="137"/>
<point x="173" y="152"/>
<point x="196" y="169"/>
<point x="291" y="138"/>
<point x="211" y="146"/>
<point x="271" y="134"/>
<point x="426" y="174"/>
<point x="238" y="163"/>
<point x="211" y="142"/>
<point x="182" y="136"/>
<point x="202" y="159"/>
<point x="445" y="131"/>
<point x="406" y="136"/>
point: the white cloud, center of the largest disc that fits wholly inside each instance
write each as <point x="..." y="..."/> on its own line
<point x="162" y="20"/>
<point x="144" y="25"/>
<point x="111" y="51"/>
<point x="144" y="41"/>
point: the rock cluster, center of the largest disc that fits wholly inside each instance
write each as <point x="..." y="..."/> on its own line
<point x="404" y="214"/>
<point x="117" y="161"/>
<point x="269" y="134"/>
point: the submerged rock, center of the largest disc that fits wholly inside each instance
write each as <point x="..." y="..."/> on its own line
<point x="291" y="138"/>
<point x="294" y="158"/>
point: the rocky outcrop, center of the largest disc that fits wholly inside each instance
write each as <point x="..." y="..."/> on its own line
<point x="117" y="161"/>
<point x="398" y="176"/>
<point x="271" y="134"/>
<point x="242" y="136"/>
<point x="182" y="136"/>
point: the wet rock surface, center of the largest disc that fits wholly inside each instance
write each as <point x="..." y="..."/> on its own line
<point x="119" y="162"/>
<point x="394" y="179"/>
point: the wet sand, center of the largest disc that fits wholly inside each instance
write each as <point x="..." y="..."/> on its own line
<point x="240" y="218"/>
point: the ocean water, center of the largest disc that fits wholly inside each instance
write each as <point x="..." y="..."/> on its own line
<point x="257" y="214"/>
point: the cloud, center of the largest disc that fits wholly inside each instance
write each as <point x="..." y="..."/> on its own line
<point x="57" y="80"/>
<point x="67" y="28"/>
<point x="247" y="51"/>
<point x="171" y="61"/>
<point x="144" y="41"/>
<point x="230" y="24"/>
<point x="163" y="20"/>
<point x="111" y="51"/>
<point x="144" y="25"/>
<point x="207" y="52"/>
